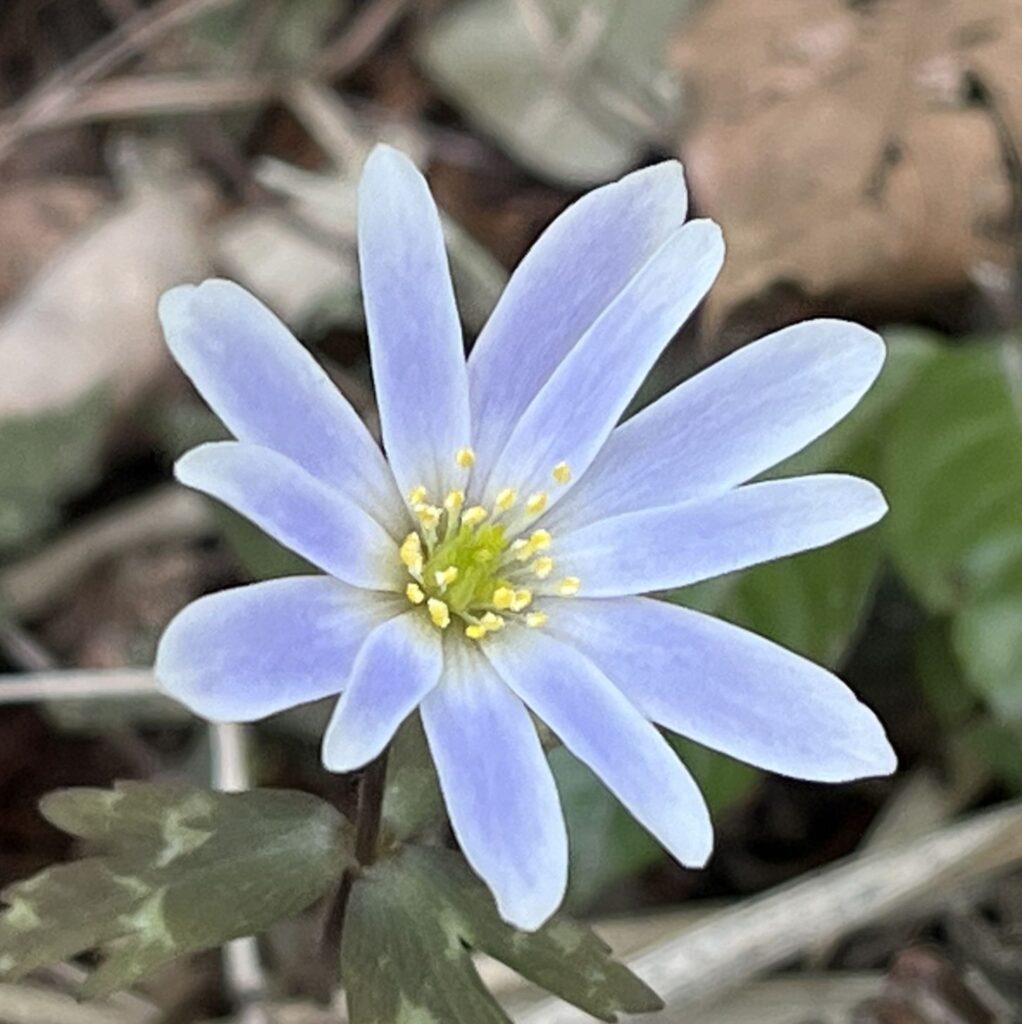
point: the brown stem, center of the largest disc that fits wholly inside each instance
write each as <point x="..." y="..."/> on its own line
<point x="367" y="835"/>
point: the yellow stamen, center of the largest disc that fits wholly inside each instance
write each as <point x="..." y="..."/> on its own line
<point x="439" y="613"/>
<point x="535" y="619"/>
<point x="429" y="515"/>
<point x="410" y="553"/>
<point x="492" y="622"/>
<point x="474" y="516"/>
<point x="536" y="503"/>
<point x="540" y="540"/>
<point x="523" y="598"/>
<point x="454" y="501"/>
<point x="562" y="472"/>
<point x="506" y="498"/>
<point x="542" y="567"/>
<point x="465" y="457"/>
<point x="417" y="495"/>
<point x="414" y="593"/>
<point x="475" y="631"/>
<point x="503" y="598"/>
<point x="445" y="577"/>
<point x="568" y="587"/>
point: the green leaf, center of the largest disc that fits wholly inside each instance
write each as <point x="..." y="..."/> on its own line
<point x="559" y="90"/>
<point x="174" y="870"/>
<point x="814" y="602"/>
<point x="413" y="804"/>
<point x="405" y="955"/>
<point x="607" y="846"/>
<point x="44" y="459"/>
<point x="953" y="473"/>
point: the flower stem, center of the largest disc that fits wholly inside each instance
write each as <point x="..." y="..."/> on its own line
<point x="368" y="819"/>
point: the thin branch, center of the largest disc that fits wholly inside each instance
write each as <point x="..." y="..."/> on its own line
<point x="366" y="31"/>
<point x="169" y="513"/>
<point x="243" y="970"/>
<point x="735" y="945"/>
<point x="78" y="684"/>
<point x="371" y="787"/>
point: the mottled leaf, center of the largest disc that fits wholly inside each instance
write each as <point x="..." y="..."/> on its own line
<point x="405" y="954"/>
<point x="575" y="89"/>
<point x="172" y="870"/>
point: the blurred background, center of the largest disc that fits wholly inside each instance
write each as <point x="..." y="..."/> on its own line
<point x="864" y="158"/>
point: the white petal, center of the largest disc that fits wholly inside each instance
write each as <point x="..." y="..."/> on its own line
<point x="569" y="277"/>
<point x="250" y="652"/>
<point x="268" y="390"/>
<point x="660" y="548"/>
<point x="499" y="790"/>
<point x="730" y="422"/>
<point x="727" y="688"/>
<point x="414" y="332"/>
<point x="575" y="411"/>
<point x="293" y="507"/>
<point x="398" y="665"/>
<point x="603" y="729"/>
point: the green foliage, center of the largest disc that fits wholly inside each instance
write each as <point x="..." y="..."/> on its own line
<point x="171" y="870"/>
<point x="953" y="475"/>
<point x="413" y="804"/>
<point x="405" y="953"/>
<point x="557" y="89"/>
<point x="45" y="458"/>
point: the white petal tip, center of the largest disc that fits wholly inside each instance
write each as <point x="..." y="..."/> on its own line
<point x="528" y="916"/>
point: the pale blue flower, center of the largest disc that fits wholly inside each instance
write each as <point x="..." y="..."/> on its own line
<point x="489" y="566"/>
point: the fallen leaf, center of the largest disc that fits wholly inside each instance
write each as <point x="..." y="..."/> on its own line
<point x="850" y="162"/>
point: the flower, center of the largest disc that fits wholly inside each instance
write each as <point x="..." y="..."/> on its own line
<point x="489" y="566"/>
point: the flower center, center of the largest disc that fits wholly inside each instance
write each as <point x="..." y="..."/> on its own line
<point x="479" y="565"/>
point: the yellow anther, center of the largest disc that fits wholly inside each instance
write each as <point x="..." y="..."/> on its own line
<point x="410" y="552"/>
<point x="417" y="495"/>
<point x="474" y="516"/>
<point x="520" y="549"/>
<point x="414" y="593"/>
<point x="475" y="631"/>
<point x="568" y="587"/>
<point x="562" y="472"/>
<point x="542" y="567"/>
<point x="535" y="619"/>
<point x="429" y="515"/>
<point x="523" y="598"/>
<point x="536" y="503"/>
<point x="503" y="598"/>
<point x="540" y="540"/>
<point x="465" y="457"/>
<point x="445" y="577"/>
<point x="492" y="622"/>
<point x="439" y="613"/>
<point x="506" y="498"/>
<point x="454" y="501"/>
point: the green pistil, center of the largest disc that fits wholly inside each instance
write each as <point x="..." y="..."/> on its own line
<point x="476" y="554"/>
